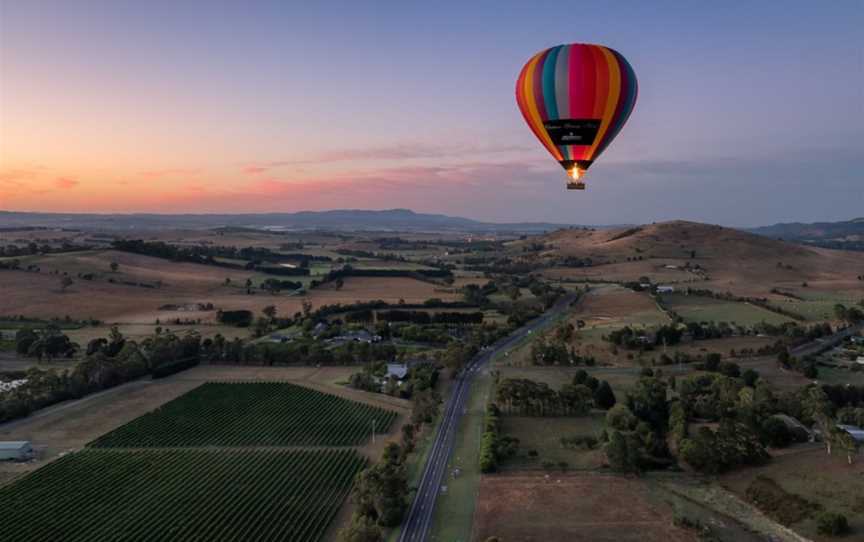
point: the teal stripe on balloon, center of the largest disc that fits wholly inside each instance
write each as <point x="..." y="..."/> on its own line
<point x="549" y="83"/>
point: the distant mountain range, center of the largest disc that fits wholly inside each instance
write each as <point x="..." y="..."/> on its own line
<point x="347" y="219"/>
<point x="848" y="235"/>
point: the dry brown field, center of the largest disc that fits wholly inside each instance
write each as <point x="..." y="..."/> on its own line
<point x="38" y="295"/>
<point x="743" y="263"/>
<point x="573" y="507"/>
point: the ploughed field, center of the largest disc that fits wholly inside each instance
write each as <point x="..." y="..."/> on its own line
<point x="181" y="495"/>
<point x="252" y="461"/>
<point x="249" y="415"/>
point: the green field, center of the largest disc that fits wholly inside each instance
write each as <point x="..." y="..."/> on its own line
<point x="251" y="414"/>
<point x="706" y="309"/>
<point x="819" y="305"/>
<point x="180" y="495"/>
<point x="543" y="435"/>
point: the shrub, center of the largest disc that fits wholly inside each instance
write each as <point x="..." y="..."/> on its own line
<point x="832" y="523"/>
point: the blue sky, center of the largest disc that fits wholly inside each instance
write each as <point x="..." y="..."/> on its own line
<point x="748" y="113"/>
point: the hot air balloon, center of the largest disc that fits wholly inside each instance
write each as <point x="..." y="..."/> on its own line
<point x="576" y="98"/>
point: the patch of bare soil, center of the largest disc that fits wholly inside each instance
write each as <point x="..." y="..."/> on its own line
<point x="573" y="507"/>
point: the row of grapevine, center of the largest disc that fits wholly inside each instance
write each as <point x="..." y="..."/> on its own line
<point x="180" y="494"/>
<point x="252" y="415"/>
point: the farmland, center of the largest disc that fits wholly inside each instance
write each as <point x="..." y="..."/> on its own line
<point x="704" y="309"/>
<point x="534" y="507"/>
<point x="251" y="414"/>
<point x="180" y="495"/>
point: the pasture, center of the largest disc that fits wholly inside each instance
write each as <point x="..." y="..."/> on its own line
<point x="181" y="495"/>
<point x="543" y="435"/>
<point x="707" y="309"/>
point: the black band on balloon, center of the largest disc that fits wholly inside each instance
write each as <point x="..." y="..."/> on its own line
<point x="581" y="164"/>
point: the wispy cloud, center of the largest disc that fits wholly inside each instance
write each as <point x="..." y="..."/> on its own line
<point x="396" y="152"/>
<point x="175" y="172"/>
<point x="65" y="183"/>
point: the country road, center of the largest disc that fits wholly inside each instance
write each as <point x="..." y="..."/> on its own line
<point x="416" y="525"/>
<point x="824" y="343"/>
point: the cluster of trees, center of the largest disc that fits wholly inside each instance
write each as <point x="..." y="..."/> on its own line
<point x="425" y="318"/>
<point x="635" y="438"/>
<point x="239" y="318"/>
<point x="380" y="495"/>
<point x="254" y="256"/>
<point x="494" y="446"/>
<point x="107" y="362"/>
<point x="556" y="352"/>
<point x="631" y="338"/>
<point x="31" y="249"/>
<point x="276" y="285"/>
<point x="733" y="444"/>
<point x="529" y="398"/>
<point x="851" y="315"/>
<point x="46" y="343"/>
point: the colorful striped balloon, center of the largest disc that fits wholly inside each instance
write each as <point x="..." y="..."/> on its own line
<point x="576" y="98"/>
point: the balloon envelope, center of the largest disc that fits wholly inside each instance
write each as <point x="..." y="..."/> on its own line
<point x="576" y="98"/>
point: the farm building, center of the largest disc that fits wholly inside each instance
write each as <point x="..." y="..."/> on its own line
<point x="19" y="450"/>
<point x="397" y="370"/>
<point x="665" y="289"/>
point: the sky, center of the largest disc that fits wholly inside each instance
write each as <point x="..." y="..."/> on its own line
<point x="749" y="113"/>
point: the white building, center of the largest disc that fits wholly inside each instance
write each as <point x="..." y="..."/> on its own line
<point x="665" y="289"/>
<point x="397" y="370"/>
<point x="19" y="450"/>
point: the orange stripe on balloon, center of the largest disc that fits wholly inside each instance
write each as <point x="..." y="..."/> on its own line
<point x="520" y="100"/>
<point x="530" y="101"/>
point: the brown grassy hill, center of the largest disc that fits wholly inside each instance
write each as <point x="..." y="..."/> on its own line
<point x="745" y="263"/>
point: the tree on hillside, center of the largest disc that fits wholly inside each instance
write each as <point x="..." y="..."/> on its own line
<point x="604" y="397"/>
<point x="66" y="282"/>
<point x="114" y="267"/>
<point x="270" y="312"/>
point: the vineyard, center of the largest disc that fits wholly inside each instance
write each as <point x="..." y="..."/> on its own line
<point x="251" y="414"/>
<point x="180" y="495"/>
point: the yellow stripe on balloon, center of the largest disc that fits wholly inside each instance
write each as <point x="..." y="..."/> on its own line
<point x="528" y="92"/>
<point x="611" y="101"/>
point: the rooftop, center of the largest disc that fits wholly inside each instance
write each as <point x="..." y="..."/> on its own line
<point x="14" y="445"/>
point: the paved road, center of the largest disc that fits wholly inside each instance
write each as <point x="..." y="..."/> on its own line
<point x="416" y="526"/>
<point x="824" y="343"/>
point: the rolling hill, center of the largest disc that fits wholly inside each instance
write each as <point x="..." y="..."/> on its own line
<point x="727" y="259"/>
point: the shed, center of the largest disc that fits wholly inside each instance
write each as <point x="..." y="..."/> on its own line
<point x="17" y="450"/>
